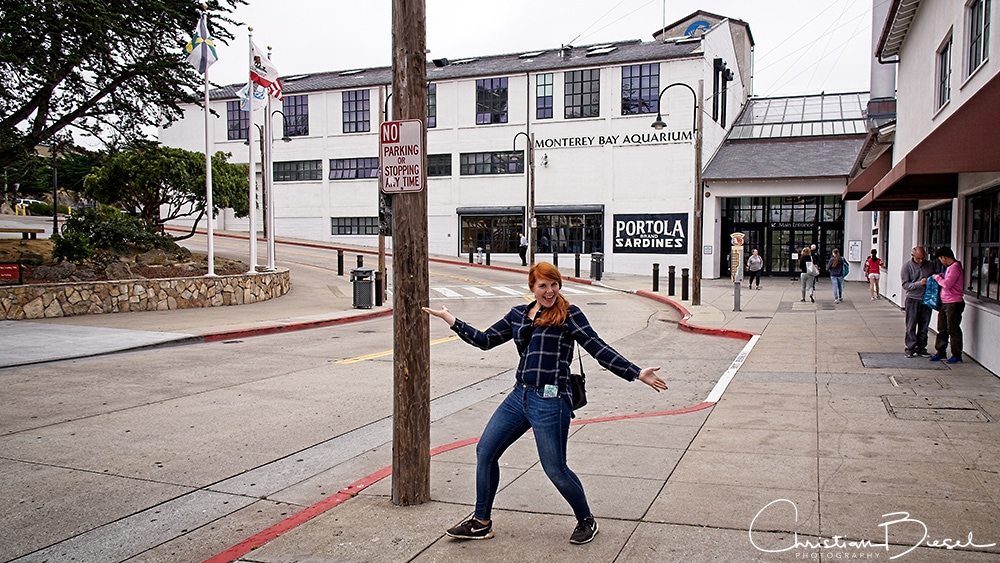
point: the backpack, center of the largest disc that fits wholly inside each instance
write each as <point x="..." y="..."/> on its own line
<point x="847" y="268"/>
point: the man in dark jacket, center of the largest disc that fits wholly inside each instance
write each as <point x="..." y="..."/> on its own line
<point x="918" y="316"/>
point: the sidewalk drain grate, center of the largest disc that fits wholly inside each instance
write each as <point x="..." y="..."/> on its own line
<point x="934" y="409"/>
<point x="756" y="317"/>
<point x="876" y="360"/>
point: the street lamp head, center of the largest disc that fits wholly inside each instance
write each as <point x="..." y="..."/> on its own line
<point x="659" y="124"/>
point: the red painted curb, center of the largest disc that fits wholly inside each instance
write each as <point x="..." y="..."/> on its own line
<point x="686" y="326"/>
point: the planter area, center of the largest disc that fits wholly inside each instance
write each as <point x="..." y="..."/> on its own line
<point x="37" y="301"/>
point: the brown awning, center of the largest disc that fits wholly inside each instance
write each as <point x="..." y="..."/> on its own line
<point x="959" y="145"/>
<point x="864" y="182"/>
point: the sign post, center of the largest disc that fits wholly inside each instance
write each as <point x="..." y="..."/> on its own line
<point x="736" y="267"/>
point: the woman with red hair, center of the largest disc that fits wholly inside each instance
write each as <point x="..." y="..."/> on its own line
<point x="545" y="333"/>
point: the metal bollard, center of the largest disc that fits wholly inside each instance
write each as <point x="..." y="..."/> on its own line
<point x="555" y="259"/>
<point x="378" y="289"/>
<point x="670" y="281"/>
<point x="361" y="260"/>
<point x="656" y="276"/>
<point x="340" y="262"/>
<point x="577" y="264"/>
<point x="479" y="255"/>
<point x="684" y="284"/>
<point x="470" y="255"/>
<point x="488" y="249"/>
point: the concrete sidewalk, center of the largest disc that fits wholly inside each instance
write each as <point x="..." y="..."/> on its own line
<point x="826" y="438"/>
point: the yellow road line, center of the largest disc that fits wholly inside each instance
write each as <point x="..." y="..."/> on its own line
<point x="387" y="352"/>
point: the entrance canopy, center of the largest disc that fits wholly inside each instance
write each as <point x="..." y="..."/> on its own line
<point x="930" y="170"/>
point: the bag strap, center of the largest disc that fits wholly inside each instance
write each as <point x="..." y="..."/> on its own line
<point x="579" y="357"/>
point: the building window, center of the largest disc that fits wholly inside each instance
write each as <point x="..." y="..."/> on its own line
<point x="943" y="74"/>
<point x="937" y="228"/>
<point x="353" y="225"/>
<point x="482" y="163"/>
<point x="640" y="89"/>
<point x="351" y="168"/>
<point x="298" y="170"/>
<point x="438" y="165"/>
<point x="432" y="105"/>
<point x="357" y="112"/>
<point x="583" y="98"/>
<point x="491" y="101"/>
<point x="296" y="110"/>
<point x="570" y="233"/>
<point x="237" y="121"/>
<point x="978" y="16"/>
<point x="543" y="96"/>
<point x="498" y="233"/>
<point x="982" y="251"/>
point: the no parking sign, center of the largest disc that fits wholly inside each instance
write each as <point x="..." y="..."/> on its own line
<point x="401" y="154"/>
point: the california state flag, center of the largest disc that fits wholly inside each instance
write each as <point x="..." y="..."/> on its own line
<point x="263" y="72"/>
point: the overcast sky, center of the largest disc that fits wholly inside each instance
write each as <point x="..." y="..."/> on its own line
<point x="802" y="46"/>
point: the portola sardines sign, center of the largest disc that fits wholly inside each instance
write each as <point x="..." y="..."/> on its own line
<point x="660" y="233"/>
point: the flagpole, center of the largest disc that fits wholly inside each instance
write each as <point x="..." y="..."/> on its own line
<point x="253" y="173"/>
<point x="268" y="171"/>
<point x="209" y="206"/>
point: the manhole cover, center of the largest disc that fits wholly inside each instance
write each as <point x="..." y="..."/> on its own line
<point x="934" y="409"/>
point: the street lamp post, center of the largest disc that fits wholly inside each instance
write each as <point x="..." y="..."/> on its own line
<point x="529" y="224"/>
<point x="697" y="229"/>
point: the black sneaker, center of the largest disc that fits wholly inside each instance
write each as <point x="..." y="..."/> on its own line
<point x="909" y="354"/>
<point x="472" y="530"/>
<point x="584" y="532"/>
<point x="923" y="353"/>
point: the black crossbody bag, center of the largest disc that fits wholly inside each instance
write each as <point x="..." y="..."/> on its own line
<point x="578" y="385"/>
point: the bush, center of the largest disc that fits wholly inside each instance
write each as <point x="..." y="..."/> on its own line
<point x="71" y="246"/>
<point x="109" y="229"/>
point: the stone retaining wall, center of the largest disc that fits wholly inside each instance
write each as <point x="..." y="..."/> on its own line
<point x="39" y="301"/>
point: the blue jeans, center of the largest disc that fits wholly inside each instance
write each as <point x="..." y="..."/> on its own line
<point x="838" y="286"/>
<point x="525" y="408"/>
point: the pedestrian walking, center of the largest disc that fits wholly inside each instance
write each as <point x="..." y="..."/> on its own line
<point x="836" y="268"/>
<point x="522" y="248"/>
<point x="545" y="333"/>
<point x="914" y="276"/>
<point x="807" y="271"/>
<point x="815" y="260"/>
<point x="949" y="325"/>
<point x="754" y="266"/>
<point x="873" y="270"/>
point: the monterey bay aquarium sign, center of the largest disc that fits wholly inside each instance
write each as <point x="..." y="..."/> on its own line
<point x="656" y="138"/>
<point x="663" y="233"/>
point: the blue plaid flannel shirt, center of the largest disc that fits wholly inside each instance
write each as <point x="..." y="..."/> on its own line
<point x="547" y="351"/>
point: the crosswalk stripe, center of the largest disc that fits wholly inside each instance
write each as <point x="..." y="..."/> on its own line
<point x="447" y="292"/>
<point x="476" y="291"/>
<point x="509" y="290"/>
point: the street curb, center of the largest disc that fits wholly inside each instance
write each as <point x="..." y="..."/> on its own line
<point x="277" y="329"/>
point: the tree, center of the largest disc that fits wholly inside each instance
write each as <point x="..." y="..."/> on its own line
<point x="112" y="69"/>
<point x="160" y="184"/>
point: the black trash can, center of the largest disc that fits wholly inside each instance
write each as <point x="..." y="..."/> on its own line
<point x="364" y="287"/>
<point x="596" y="265"/>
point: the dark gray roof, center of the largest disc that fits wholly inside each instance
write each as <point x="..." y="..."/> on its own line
<point x="769" y="159"/>
<point x="589" y="56"/>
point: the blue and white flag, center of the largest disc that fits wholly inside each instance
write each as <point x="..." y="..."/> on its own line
<point x="259" y="97"/>
<point x="201" y="49"/>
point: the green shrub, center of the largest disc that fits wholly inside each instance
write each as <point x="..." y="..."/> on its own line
<point x="109" y="229"/>
<point x="71" y="246"/>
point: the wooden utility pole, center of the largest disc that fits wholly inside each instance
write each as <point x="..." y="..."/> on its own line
<point x="411" y="462"/>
